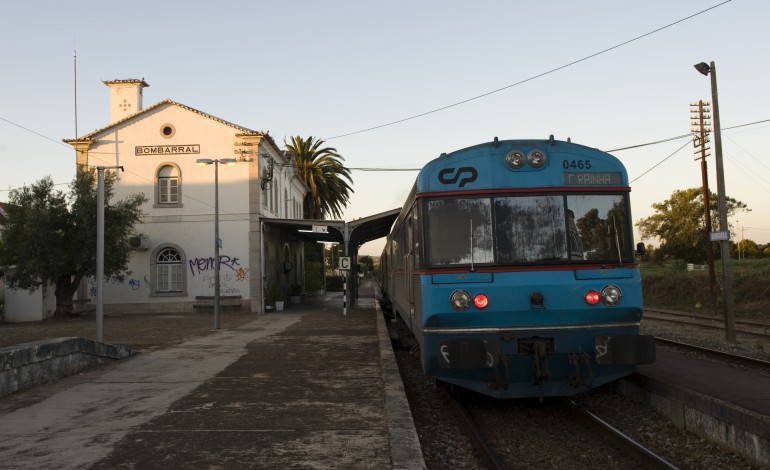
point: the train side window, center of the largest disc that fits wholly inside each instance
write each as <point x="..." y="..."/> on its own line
<point x="601" y="227"/>
<point x="416" y="239"/>
<point x="398" y="252"/>
<point x="530" y="229"/>
<point x="461" y="231"/>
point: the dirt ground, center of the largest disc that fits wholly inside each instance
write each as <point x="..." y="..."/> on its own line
<point x="135" y="331"/>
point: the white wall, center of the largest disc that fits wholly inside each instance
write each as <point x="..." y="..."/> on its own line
<point x="22" y="306"/>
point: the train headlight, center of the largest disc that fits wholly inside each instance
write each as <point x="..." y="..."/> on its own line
<point x="460" y="300"/>
<point x="515" y="159"/>
<point x="536" y="158"/>
<point x="592" y="297"/>
<point x="611" y="295"/>
<point x="481" y="301"/>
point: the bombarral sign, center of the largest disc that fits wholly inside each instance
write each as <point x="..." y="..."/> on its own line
<point x="167" y="149"/>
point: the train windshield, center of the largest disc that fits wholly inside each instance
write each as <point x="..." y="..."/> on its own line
<point x="529" y="229"/>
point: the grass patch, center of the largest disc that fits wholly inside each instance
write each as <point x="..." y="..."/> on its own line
<point x="672" y="286"/>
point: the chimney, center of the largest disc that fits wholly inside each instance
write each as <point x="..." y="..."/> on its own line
<point x="125" y="97"/>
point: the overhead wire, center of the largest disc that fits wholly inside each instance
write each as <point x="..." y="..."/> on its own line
<point x="660" y="162"/>
<point x="534" y="77"/>
<point x="585" y="58"/>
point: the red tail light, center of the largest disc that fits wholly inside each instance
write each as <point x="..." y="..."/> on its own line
<point x="480" y="301"/>
<point x="592" y="297"/>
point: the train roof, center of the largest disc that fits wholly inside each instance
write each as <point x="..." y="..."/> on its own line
<point x="484" y="166"/>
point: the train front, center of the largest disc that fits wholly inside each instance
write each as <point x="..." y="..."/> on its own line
<point x="527" y="284"/>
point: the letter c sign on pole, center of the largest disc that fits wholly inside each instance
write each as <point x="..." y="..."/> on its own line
<point x="344" y="270"/>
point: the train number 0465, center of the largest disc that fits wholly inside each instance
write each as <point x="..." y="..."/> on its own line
<point x="578" y="164"/>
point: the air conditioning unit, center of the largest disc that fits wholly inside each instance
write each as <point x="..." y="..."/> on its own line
<point x="140" y="242"/>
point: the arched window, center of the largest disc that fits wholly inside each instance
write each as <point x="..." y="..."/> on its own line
<point x="275" y="196"/>
<point x="168" y="272"/>
<point x="168" y="187"/>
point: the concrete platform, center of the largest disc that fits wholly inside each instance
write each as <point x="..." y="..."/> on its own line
<point x="726" y="404"/>
<point x="308" y="387"/>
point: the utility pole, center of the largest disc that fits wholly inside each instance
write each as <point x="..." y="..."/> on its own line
<point x="100" y="249"/>
<point x="724" y="230"/>
<point x="700" y="141"/>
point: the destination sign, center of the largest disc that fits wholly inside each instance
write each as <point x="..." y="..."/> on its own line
<point x="606" y="178"/>
<point x="167" y="149"/>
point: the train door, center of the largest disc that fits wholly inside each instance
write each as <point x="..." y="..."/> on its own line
<point x="413" y="265"/>
<point x="409" y="265"/>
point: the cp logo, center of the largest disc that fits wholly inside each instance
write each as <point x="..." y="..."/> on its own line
<point x="452" y="175"/>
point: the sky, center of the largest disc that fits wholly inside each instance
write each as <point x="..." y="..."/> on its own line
<point x="392" y="85"/>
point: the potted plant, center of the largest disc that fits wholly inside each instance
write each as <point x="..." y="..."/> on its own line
<point x="296" y="292"/>
<point x="274" y="298"/>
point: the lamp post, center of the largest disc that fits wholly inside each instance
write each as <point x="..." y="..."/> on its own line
<point x="100" y="249"/>
<point x="724" y="238"/>
<point x="216" y="162"/>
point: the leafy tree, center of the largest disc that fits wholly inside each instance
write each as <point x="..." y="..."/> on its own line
<point x="366" y="264"/>
<point x="678" y="224"/>
<point x="747" y="249"/>
<point x="324" y="174"/>
<point x="50" y="238"/>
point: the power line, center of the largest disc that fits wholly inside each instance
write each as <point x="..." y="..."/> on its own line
<point x="386" y="169"/>
<point x="543" y="74"/>
<point x="680" y="148"/>
<point x="650" y="143"/>
<point x="33" y="132"/>
<point x="655" y="142"/>
<point x="657" y="164"/>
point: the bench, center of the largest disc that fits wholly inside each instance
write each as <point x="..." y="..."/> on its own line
<point x="206" y="302"/>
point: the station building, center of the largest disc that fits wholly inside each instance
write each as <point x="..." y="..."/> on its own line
<point x="172" y="269"/>
<point x="155" y="150"/>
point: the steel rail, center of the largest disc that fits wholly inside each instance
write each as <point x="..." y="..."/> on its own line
<point x="674" y="313"/>
<point x="645" y="455"/>
<point x="703" y="325"/>
<point x="477" y="439"/>
<point x="746" y="360"/>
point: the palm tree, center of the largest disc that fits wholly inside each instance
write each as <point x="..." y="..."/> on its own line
<point x="324" y="174"/>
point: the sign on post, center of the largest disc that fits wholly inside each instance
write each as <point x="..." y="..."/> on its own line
<point x="719" y="236"/>
<point x="344" y="268"/>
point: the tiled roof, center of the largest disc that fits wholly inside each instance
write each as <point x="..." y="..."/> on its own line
<point x="4" y="206"/>
<point x="243" y="130"/>
<point x="130" y="80"/>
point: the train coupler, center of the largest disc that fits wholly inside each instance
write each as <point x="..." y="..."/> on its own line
<point x="578" y="378"/>
<point x="501" y="380"/>
<point x="540" y="370"/>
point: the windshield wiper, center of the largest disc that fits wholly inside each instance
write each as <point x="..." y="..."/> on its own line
<point x="617" y="241"/>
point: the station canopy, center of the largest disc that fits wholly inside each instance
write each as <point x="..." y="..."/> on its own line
<point x="352" y="234"/>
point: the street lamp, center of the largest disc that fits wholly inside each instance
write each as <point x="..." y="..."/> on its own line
<point x="724" y="236"/>
<point x="216" y="162"/>
<point x="100" y="249"/>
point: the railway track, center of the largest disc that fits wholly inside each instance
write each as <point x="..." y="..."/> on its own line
<point x="527" y="433"/>
<point x="715" y="353"/>
<point x="747" y="328"/>
<point x="706" y="335"/>
<point x="631" y="447"/>
<point x="634" y="454"/>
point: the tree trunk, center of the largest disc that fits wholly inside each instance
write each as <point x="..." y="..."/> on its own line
<point x="66" y="286"/>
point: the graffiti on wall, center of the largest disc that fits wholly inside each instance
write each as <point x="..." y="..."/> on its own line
<point x="202" y="268"/>
<point x="201" y="265"/>
<point x="130" y="282"/>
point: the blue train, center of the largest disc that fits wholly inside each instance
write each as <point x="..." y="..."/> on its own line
<point x="512" y="263"/>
